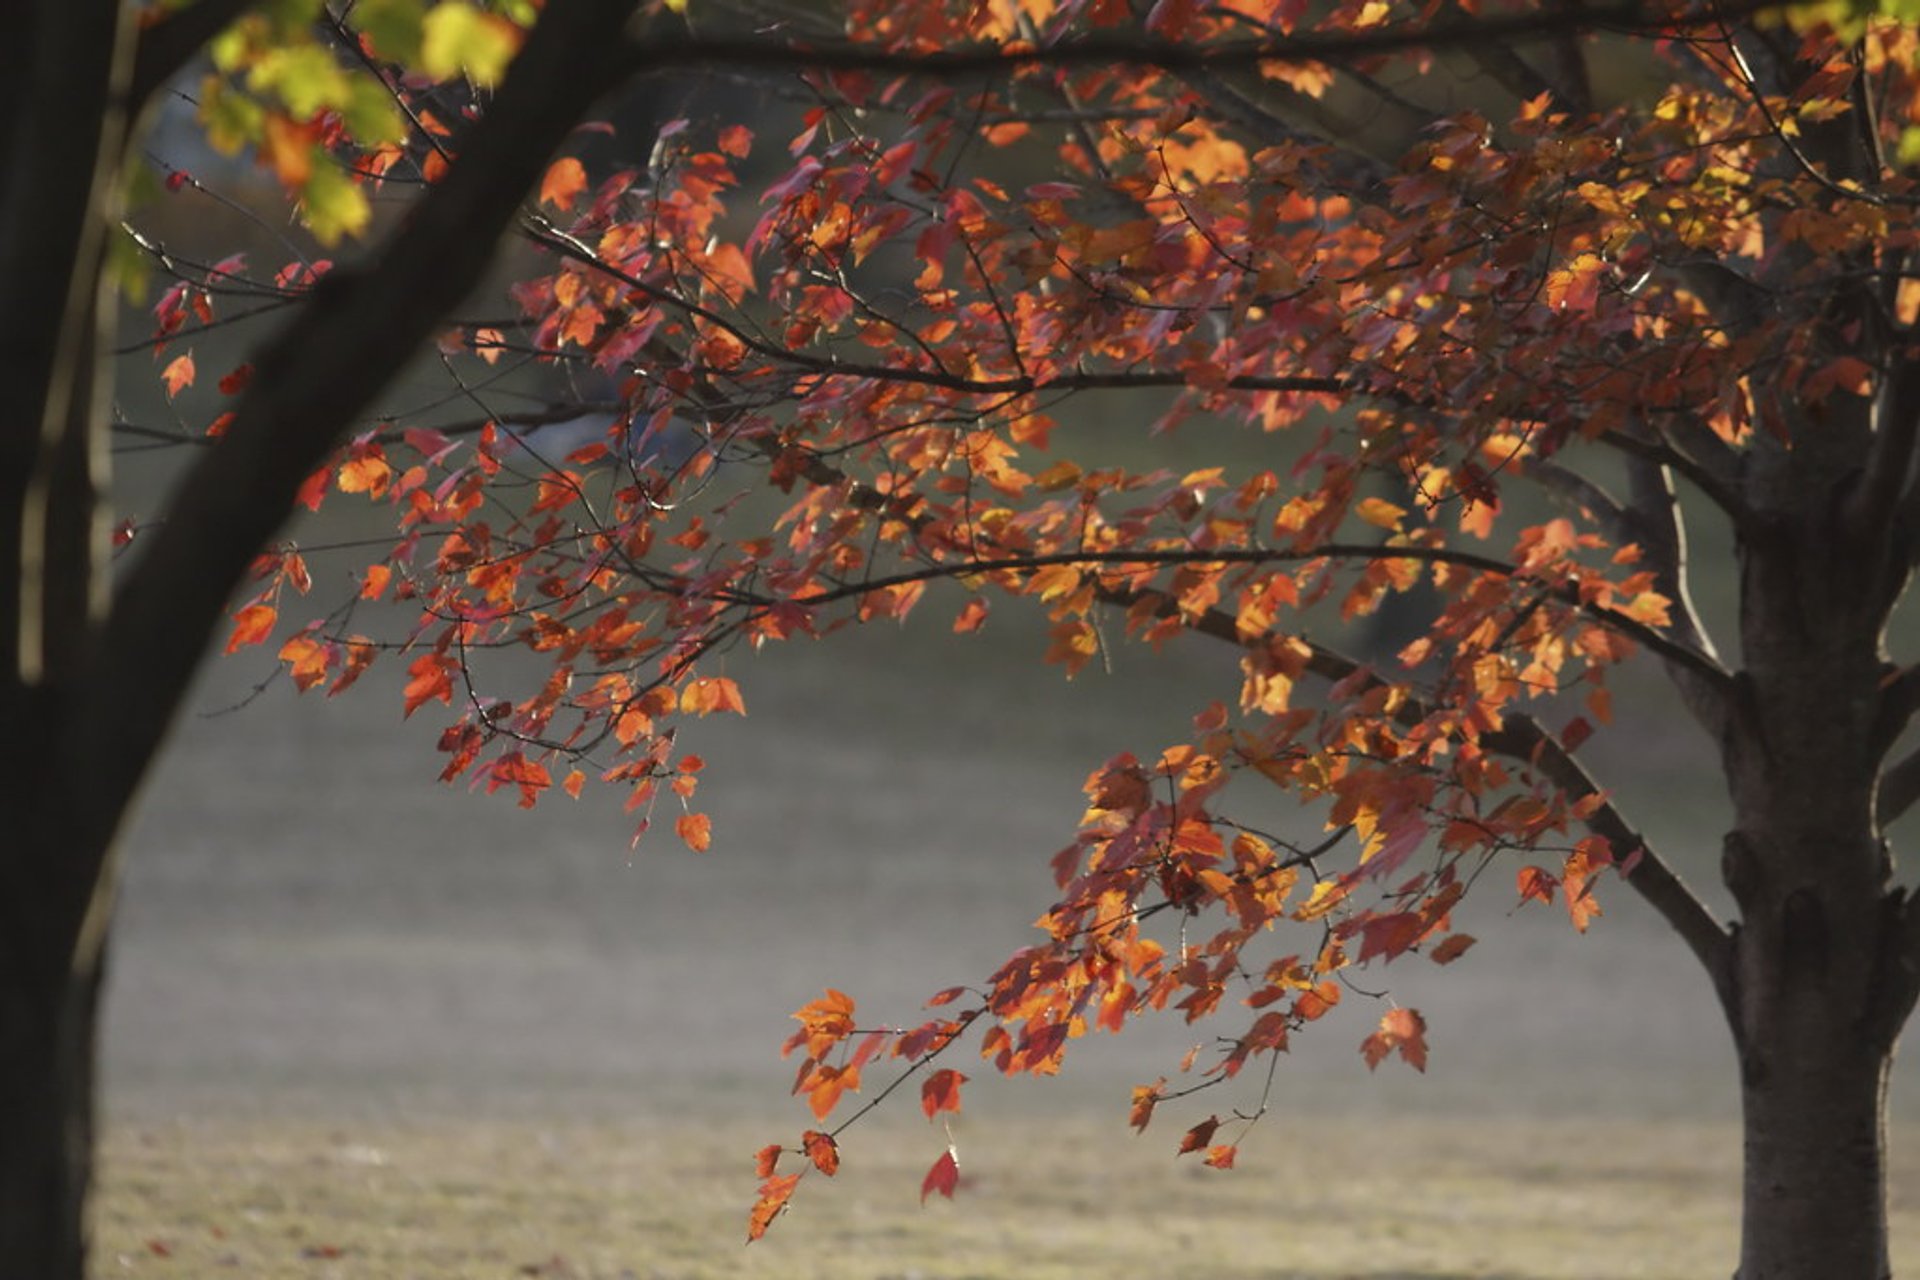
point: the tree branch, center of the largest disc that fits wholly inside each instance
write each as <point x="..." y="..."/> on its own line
<point x="1521" y="738"/>
<point x="1623" y="16"/>
<point x="171" y="42"/>
<point x="359" y="328"/>
<point x="1899" y="788"/>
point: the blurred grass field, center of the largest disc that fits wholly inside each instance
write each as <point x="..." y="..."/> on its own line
<point x="1046" y="1198"/>
<point x="361" y="1025"/>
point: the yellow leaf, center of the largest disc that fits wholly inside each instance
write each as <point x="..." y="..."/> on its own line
<point x="1380" y="513"/>
<point x="458" y="38"/>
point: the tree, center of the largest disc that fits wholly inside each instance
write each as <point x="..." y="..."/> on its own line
<point x="1659" y="264"/>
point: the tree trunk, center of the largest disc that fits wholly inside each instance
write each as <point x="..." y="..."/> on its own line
<point x="47" y="1041"/>
<point x="1814" y="1199"/>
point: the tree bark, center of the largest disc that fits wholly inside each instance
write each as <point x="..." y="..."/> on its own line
<point x="1814" y="1198"/>
<point x="48" y="1024"/>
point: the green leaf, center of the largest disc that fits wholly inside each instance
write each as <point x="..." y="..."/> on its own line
<point x="232" y="119"/>
<point x="333" y="205"/>
<point x="459" y="38"/>
<point x="370" y="114"/>
<point x="394" y="26"/>
<point x="305" y="76"/>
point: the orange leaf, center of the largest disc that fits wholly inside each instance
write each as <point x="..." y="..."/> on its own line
<point x="696" y="829"/>
<point x="432" y="678"/>
<point x="373" y="584"/>
<point x="308" y="659"/>
<point x="178" y="375"/>
<point x="1452" y="949"/>
<point x="566" y="178"/>
<point x="943" y="1177"/>
<point x="765" y="1160"/>
<point x="1221" y="1157"/>
<point x="822" y="1150"/>
<point x="1145" y="1098"/>
<point x="250" y="626"/>
<point x="1403" y="1030"/>
<point x="941" y="1092"/>
<point x="705" y="696"/>
<point x="774" y="1194"/>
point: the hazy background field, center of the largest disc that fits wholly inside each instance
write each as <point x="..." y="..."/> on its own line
<point x="365" y="1024"/>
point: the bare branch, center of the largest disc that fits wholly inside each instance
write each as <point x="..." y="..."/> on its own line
<point x="170" y="43"/>
<point x="1625" y="16"/>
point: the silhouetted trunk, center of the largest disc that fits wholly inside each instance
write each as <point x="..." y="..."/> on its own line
<point x="47" y="1032"/>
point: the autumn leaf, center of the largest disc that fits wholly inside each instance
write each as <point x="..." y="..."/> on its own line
<point x="696" y="829"/>
<point x="432" y="679"/>
<point x="822" y="1150"/>
<point x="774" y="1194"/>
<point x="1401" y="1030"/>
<point x="1200" y="1135"/>
<point x="251" y="625"/>
<point x="765" y="1160"/>
<point x="943" y="1177"/>
<point x="1221" y="1157"/>
<point x="941" y="1092"/>
<point x="566" y="178"/>
<point x="178" y="375"/>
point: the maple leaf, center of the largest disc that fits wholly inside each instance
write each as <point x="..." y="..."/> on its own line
<point x="178" y="375"/>
<point x="943" y="1177"/>
<point x="941" y="1092"/>
<point x="1199" y="1136"/>
<point x="1401" y="1030"/>
<point x="774" y="1194"/>
<point x="696" y="829"/>
<point x="566" y="178"/>
<point x="822" y="1150"/>
<point x="251" y="625"/>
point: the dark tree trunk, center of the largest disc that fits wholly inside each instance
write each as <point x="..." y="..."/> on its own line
<point x="47" y="1032"/>
<point x="1814" y="1201"/>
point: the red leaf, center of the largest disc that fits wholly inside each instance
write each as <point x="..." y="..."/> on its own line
<point x="1403" y="1030"/>
<point x="943" y="1177"/>
<point x="941" y="1092"/>
<point x="236" y="381"/>
<point x="1452" y="949"/>
<point x="1200" y="1135"/>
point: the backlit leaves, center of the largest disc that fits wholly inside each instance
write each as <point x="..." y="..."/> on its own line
<point x="943" y="1177"/>
<point x="853" y="348"/>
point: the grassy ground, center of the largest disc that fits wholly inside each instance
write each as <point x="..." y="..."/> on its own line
<point x="1043" y="1198"/>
